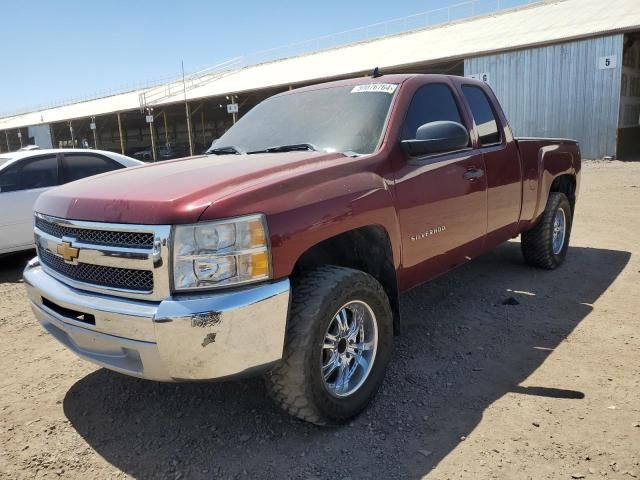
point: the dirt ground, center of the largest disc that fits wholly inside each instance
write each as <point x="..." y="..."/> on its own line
<point x="548" y="388"/>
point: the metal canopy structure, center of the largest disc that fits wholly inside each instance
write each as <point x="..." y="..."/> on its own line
<point x="539" y="24"/>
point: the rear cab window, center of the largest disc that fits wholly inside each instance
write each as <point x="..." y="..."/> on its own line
<point x="76" y="166"/>
<point x="483" y="114"/>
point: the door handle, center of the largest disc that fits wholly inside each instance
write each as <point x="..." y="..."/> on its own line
<point x="473" y="174"/>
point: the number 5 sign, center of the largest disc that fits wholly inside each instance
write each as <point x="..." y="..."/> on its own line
<point x="610" y="61"/>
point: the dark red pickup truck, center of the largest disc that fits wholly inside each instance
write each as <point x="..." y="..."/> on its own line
<point x="283" y="251"/>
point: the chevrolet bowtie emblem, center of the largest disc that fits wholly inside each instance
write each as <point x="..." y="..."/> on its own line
<point x="68" y="252"/>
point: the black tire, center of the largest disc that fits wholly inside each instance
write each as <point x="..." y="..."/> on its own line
<point x="537" y="243"/>
<point x="296" y="385"/>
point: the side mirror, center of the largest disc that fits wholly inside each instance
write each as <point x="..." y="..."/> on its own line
<point x="437" y="137"/>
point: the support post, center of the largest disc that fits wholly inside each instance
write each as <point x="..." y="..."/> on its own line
<point x="20" y="137"/>
<point x="93" y="129"/>
<point x="153" y="142"/>
<point x="152" y="132"/>
<point x="188" y="115"/>
<point x="204" y="140"/>
<point x="120" y="134"/>
<point x="186" y="104"/>
<point x="234" y="100"/>
<point x="166" y="128"/>
<point x="6" y="137"/>
<point x="73" y="139"/>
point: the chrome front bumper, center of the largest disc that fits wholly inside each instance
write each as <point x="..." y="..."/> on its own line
<point x="195" y="337"/>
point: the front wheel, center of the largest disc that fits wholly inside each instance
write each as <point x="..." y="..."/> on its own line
<point x="339" y="341"/>
<point x="545" y="245"/>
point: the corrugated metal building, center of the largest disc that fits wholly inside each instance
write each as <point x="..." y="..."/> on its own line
<point x="566" y="68"/>
<point x="559" y="90"/>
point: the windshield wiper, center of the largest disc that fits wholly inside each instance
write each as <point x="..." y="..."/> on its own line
<point x="351" y="153"/>
<point x="287" y="148"/>
<point x="228" y="150"/>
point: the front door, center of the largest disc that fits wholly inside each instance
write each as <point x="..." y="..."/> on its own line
<point x="502" y="162"/>
<point x="441" y="199"/>
<point x="20" y="186"/>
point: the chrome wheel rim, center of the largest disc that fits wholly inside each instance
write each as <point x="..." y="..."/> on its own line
<point x="559" y="229"/>
<point x="349" y="349"/>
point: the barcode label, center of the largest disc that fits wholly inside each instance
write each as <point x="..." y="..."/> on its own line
<point x="375" y="87"/>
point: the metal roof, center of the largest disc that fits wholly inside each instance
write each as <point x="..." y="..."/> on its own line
<point x="539" y="24"/>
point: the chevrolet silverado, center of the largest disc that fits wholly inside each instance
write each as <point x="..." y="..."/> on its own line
<point x="283" y="251"/>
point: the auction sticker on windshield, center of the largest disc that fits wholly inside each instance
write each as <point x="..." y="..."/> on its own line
<point x="375" y="87"/>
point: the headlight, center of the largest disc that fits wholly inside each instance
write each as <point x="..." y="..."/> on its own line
<point x="222" y="253"/>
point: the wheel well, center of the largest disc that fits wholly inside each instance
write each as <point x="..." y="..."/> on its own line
<point x="367" y="249"/>
<point x="566" y="184"/>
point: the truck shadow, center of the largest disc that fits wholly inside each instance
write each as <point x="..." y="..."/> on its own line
<point x="12" y="265"/>
<point x="461" y="350"/>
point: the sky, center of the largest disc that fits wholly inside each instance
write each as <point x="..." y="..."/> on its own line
<point x="55" y="51"/>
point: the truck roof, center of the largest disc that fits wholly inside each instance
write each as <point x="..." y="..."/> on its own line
<point x="396" y="78"/>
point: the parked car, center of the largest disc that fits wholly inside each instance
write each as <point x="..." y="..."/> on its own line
<point x="285" y="250"/>
<point x="29" y="148"/>
<point x="25" y="175"/>
<point x="170" y="151"/>
<point x="165" y="152"/>
<point x="143" y="155"/>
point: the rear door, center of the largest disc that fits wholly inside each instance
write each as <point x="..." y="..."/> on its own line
<point x="502" y="162"/>
<point x="441" y="198"/>
<point x="76" y="166"/>
<point x="20" y="185"/>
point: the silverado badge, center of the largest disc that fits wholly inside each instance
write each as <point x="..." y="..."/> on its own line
<point x="428" y="233"/>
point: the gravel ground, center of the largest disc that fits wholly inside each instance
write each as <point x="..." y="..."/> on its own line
<point x="546" y="388"/>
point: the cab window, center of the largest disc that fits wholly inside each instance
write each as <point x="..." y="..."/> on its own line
<point x="431" y="103"/>
<point x="483" y="115"/>
<point x="78" y="165"/>
<point x="30" y="174"/>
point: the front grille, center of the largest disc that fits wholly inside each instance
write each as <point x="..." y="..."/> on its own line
<point x="112" y="277"/>
<point x="97" y="237"/>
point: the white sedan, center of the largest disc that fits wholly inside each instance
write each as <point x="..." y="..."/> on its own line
<point x="25" y="175"/>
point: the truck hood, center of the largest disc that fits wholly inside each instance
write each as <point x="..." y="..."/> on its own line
<point x="173" y="192"/>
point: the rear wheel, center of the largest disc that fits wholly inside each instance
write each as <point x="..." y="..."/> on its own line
<point x="339" y="341"/>
<point x="546" y="244"/>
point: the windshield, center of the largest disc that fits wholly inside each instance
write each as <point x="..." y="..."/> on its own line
<point x="338" y="119"/>
<point x="4" y="160"/>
